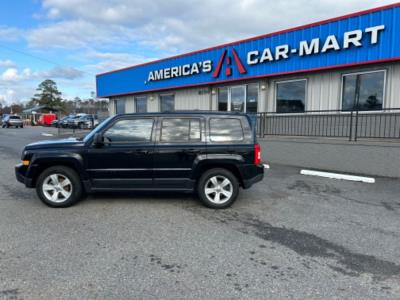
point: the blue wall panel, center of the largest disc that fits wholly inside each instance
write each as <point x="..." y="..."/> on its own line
<point x="135" y="79"/>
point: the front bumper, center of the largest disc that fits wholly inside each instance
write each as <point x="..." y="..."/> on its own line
<point x="20" y="174"/>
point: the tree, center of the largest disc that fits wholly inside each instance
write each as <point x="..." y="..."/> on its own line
<point x="47" y="94"/>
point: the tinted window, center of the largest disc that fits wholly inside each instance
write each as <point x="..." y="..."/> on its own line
<point x="180" y="130"/>
<point x="141" y="104"/>
<point x="130" y="131"/>
<point x="167" y="102"/>
<point x="363" y="91"/>
<point x="15" y="117"/>
<point x="225" y="130"/>
<point x="291" y="96"/>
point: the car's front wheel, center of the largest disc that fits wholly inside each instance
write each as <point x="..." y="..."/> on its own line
<point x="218" y="188"/>
<point x="59" y="186"/>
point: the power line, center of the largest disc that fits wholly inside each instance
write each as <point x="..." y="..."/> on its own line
<point x="40" y="58"/>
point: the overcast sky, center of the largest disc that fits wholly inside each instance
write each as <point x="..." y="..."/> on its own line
<point x="70" y="41"/>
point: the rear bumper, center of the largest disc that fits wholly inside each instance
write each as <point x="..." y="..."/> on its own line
<point x="20" y="174"/>
<point x="257" y="173"/>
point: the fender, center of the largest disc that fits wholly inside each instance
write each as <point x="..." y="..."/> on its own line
<point x="205" y="159"/>
<point x="52" y="158"/>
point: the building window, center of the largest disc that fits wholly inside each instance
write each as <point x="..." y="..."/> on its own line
<point x="363" y="91"/>
<point x="167" y="102"/>
<point x="243" y="98"/>
<point x="119" y="106"/>
<point x="223" y="99"/>
<point x="252" y="98"/>
<point x="291" y="96"/>
<point x="141" y="104"/>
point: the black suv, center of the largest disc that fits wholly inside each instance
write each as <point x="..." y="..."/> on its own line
<point x="211" y="153"/>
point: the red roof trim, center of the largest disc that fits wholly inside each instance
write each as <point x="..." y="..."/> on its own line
<point x="258" y="76"/>
<point x="359" y="13"/>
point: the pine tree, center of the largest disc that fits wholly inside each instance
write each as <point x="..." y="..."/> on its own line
<point x="47" y="94"/>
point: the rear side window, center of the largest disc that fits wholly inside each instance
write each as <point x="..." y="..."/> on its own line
<point x="130" y="131"/>
<point x="226" y="130"/>
<point x="15" y="117"/>
<point x="180" y="130"/>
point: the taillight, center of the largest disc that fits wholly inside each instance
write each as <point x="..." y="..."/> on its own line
<point x="257" y="154"/>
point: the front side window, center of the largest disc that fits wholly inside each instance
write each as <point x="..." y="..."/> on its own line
<point x="291" y="96"/>
<point x="141" y="104"/>
<point x="180" y="130"/>
<point x="119" y="106"/>
<point x="363" y="91"/>
<point x="225" y="130"/>
<point x="130" y="131"/>
<point x="167" y="102"/>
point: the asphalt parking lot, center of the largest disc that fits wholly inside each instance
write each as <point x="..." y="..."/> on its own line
<point x="291" y="236"/>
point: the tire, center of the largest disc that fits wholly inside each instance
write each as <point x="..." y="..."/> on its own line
<point x="222" y="196"/>
<point x="22" y="126"/>
<point x="67" y="195"/>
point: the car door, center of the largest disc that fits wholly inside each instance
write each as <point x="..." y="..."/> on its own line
<point x="179" y="141"/>
<point x="125" y="160"/>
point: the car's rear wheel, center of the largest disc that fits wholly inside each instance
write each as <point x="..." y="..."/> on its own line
<point x="59" y="186"/>
<point x="218" y="188"/>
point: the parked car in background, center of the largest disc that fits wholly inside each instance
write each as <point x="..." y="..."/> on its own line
<point x="56" y="123"/>
<point x="85" y="121"/>
<point x="47" y="119"/>
<point x="12" y="121"/>
<point x="71" y="120"/>
<point x="212" y="154"/>
<point x="64" y="122"/>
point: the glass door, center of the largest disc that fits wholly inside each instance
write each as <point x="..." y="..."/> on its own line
<point x="238" y="98"/>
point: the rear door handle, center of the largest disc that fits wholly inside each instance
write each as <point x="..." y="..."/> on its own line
<point x="145" y="152"/>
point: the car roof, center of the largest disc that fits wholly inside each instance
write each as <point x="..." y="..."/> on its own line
<point x="183" y="113"/>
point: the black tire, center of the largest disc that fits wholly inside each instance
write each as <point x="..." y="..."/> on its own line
<point x="219" y="174"/>
<point x="66" y="172"/>
<point x="22" y="126"/>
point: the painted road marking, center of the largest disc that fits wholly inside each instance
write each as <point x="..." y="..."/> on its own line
<point x="338" y="176"/>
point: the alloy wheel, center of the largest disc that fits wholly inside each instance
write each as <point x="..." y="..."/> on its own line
<point x="57" y="188"/>
<point x="218" y="189"/>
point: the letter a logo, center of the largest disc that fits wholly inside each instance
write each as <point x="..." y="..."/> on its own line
<point x="228" y="60"/>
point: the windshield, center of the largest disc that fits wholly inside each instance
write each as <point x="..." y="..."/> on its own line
<point x="15" y="117"/>
<point x="97" y="129"/>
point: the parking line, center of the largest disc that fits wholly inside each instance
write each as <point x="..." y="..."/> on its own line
<point x="47" y="134"/>
<point x="338" y="176"/>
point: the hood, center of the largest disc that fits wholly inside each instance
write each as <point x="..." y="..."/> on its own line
<point x="49" y="144"/>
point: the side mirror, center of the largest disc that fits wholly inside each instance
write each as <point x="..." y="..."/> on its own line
<point x="98" y="139"/>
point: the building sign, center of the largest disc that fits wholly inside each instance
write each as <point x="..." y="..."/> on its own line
<point x="351" y="40"/>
